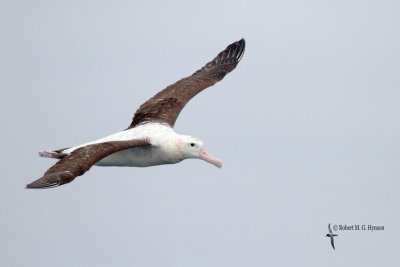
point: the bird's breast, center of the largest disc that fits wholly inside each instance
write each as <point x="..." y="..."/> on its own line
<point x="140" y="157"/>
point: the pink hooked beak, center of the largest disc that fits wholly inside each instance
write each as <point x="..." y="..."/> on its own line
<point x="207" y="157"/>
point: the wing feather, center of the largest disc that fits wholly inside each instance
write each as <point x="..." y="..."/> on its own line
<point x="80" y="161"/>
<point x="168" y="103"/>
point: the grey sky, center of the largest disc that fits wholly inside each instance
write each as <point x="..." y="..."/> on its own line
<point x="306" y="126"/>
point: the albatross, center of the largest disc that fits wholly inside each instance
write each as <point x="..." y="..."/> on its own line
<point x="150" y="139"/>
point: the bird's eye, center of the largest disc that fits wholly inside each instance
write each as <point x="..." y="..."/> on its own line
<point x="191" y="144"/>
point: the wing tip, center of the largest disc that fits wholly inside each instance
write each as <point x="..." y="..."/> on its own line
<point x="230" y="57"/>
<point x="242" y="46"/>
<point x="234" y="51"/>
<point x="41" y="185"/>
<point x="44" y="183"/>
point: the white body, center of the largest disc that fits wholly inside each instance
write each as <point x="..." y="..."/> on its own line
<point x="164" y="149"/>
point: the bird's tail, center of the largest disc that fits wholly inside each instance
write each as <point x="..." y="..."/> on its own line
<point x="56" y="154"/>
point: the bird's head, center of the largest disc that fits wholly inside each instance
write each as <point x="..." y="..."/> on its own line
<point x="191" y="147"/>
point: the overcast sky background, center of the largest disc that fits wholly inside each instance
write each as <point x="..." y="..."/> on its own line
<point x="307" y="127"/>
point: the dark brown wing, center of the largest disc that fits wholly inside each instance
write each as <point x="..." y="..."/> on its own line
<point x="167" y="104"/>
<point x="80" y="161"/>
<point x="332" y="243"/>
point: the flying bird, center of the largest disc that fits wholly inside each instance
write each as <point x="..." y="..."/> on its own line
<point x="331" y="235"/>
<point x="150" y="139"/>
